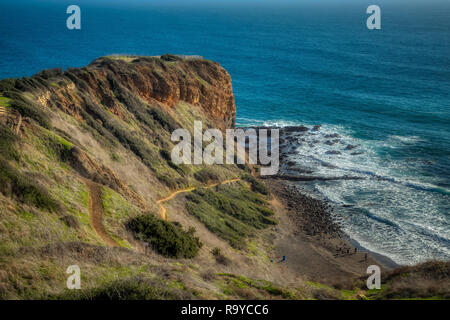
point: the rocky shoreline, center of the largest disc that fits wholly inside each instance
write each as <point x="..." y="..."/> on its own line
<point x="313" y="218"/>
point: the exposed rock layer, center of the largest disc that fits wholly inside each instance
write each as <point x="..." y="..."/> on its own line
<point x="195" y="81"/>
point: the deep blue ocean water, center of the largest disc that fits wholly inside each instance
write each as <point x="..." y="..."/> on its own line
<point x="386" y="91"/>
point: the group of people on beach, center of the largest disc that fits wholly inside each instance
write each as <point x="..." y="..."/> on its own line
<point x="346" y="251"/>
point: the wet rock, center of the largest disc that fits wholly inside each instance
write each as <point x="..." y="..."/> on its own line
<point x="356" y="153"/>
<point x="350" y="147"/>
<point x="310" y="215"/>
<point x="301" y="170"/>
<point x="334" y="135"/>
<point x="328" y="165"/>
<point x="316" y="128"/>
<point x="300" y="128"/>
<point x="333" y="152"/>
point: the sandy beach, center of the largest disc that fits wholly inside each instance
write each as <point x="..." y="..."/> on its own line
<point x="312" y="243"/>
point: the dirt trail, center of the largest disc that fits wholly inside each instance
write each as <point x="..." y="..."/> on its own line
<point x="163" y="210"/>
<point x="96" y="207"/>
<point x="96" y="212"/>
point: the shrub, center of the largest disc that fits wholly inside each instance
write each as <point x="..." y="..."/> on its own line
<point x="165" y="154"/>
<point x="30" y="84"/>
<point x="7" y="85"/>
<point x="166" y="238"/>
<point x="325" y="294"/>
<point x="221" y="259"/>
<point x="216" y="251"/>
<point x="206" y="175"/>
<point x="50" y="73"/>
<point x="115" y="157"/>
<point x="70" y="221"/>
<point x="170" y="57"/>
<point x="209" y="275"/>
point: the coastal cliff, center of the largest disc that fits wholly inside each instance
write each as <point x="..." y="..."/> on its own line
<point x="156" y="81"/>
<point x="86" y="179"/>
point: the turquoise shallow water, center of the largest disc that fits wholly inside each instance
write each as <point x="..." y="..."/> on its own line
<point x="385" y="91"/>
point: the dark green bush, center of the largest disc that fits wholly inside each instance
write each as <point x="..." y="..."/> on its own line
<point x="170" y="57"/>
<point x="7" y="85"/>
<point x="166" y="238"/>
<point x="30" y="84"/>
<point x="50" y="73"/>
<point x="207" y="175"/>
<point x="165" y="154"/>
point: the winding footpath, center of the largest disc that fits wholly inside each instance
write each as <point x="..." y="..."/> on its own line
<point x="96" y="212"/>
<point x="163" y="210"/>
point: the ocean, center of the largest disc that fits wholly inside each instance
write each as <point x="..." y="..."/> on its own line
<point x="383" y="92"/>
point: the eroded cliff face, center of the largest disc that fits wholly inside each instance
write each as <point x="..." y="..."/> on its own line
<point x="195" y="81"/>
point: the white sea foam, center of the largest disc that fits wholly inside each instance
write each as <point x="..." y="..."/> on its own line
<point x="392" y="211"/>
